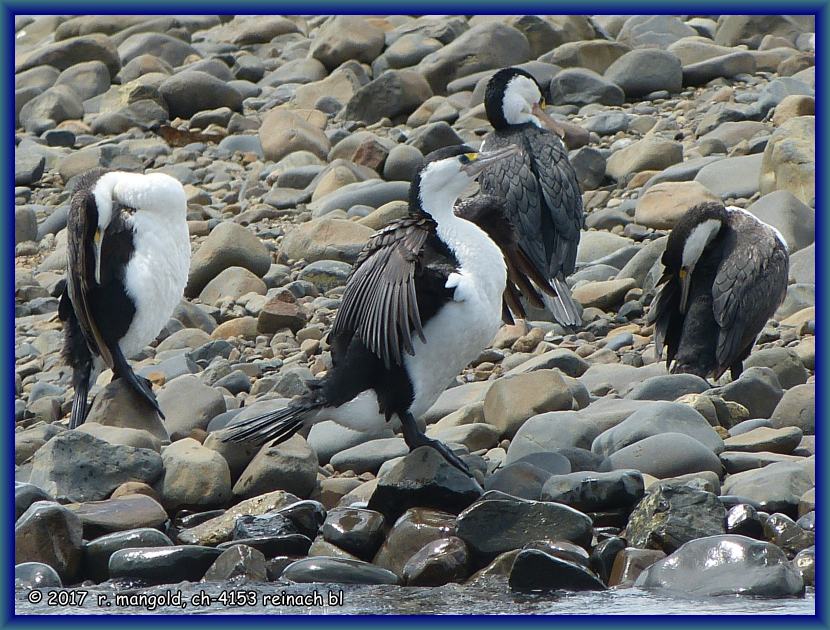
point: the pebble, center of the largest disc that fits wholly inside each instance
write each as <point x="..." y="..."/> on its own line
<point x="97" y="552"/>
<point x="76" y="466"/>
<point x="493" y="526"/>
<point x="163" y="565"/>
<point x="725" y="565"/>
<point x="337" y="570"/>
<point x="669" y="516"/>
<point x="50" y="534"/>
<point x="425" y="479"/>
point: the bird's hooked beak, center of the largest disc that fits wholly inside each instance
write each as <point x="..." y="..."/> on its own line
<point x="538" y="110"/>
<point x="479" y="161"/>
<point x="685" y="283"/>
<point x="97" y="239"/>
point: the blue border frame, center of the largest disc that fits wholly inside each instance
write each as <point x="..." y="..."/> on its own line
<point x="8" y="10"/>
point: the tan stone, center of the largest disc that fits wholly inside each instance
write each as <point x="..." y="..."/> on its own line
<point x="512" y="400"/>
<point x="603" y="294"/>
<point x="663" y="204"/>
<point x="245" y="327"/>
<point x="793" y="106"/>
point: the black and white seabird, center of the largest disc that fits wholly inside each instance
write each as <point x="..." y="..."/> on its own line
<point x="424" y="299"/>
<point x="128" y="257"/>
<point x="725" y="275"/>
<point x="538" y="186"/>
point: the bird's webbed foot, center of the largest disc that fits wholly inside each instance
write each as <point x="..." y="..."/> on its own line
<point x="414" y="438"/>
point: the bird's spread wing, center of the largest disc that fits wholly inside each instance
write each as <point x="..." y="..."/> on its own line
<point x="81" y="271"/>
<point x="379" y="304"/>
<point x="523" y="277"/>
<point x="750" y="284"/>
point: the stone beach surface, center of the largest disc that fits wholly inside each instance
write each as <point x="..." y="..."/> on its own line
<point x="295" y="138"/>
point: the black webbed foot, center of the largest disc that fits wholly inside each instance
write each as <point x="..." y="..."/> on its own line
<point x="414" y="438"/>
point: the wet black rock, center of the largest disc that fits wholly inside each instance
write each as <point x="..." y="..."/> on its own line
<point x="424" y="479"/>
<point x="724" y="565"/>
<point x="275" y="566"/>
<point x="24" y="495"/>
<point x="603" y="555"/>
<point x="805" y="564"/>
<point x="97" y="552"/>
<point x="272" y="546"/>
<point x="669" y="516"/>
<point x="534" y="570"/>
<point x="438" y="562"/>
<point x="269" y="524"/>
<point x="306" y="515"/>
<point x="163" y="565"/>
<point x="236" y="561"/>
<point x="358" y="531"/>
<point x="337" y="570"/>
<point x="493" y="526"/>
<point x="35" y="575"/>
<point x="743" y="520"/>
<point x="562" y="549"/>
<point x="784" y="532"/>
<point x="595" y="491"/>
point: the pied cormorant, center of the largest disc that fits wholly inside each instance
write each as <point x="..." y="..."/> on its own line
<point x="725" y="276"/>
<point x="128" y="257"/>
<point x="423" y="300"/>
<point x="538" y="186"/>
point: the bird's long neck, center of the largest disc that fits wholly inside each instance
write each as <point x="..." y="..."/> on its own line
<point x="475" y="251"/>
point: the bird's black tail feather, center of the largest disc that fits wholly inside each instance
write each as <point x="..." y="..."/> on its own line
<point x="79" y="406"/>
<point x="562" y="306"/>
<point x="276" y="425"/>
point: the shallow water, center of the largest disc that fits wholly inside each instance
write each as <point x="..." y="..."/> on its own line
<point x="493" y="599"/>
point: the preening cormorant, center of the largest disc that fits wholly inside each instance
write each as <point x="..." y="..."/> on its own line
<point x="128" y="257"/>
<point x="725" y="275"/>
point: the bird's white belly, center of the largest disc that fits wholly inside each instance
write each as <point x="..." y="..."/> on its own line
<point x="154" y="278"/>
<point x="455" y="336"/>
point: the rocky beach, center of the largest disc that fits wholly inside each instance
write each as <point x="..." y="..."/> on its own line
<point x="600" y="481"/>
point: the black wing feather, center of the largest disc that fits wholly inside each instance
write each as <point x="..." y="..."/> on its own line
<point x="750" y="285"/>
<point x="379" y="306"/>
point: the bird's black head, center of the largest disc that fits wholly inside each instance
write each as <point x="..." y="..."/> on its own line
<point x="692" y="233"/>
<point x="510" y="96"/>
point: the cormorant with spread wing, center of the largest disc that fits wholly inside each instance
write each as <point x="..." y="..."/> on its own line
<point x="424" y="299"/>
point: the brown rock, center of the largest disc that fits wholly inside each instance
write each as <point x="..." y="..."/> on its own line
<point x="663" y="204"/>
<point x="630" y="563"/>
